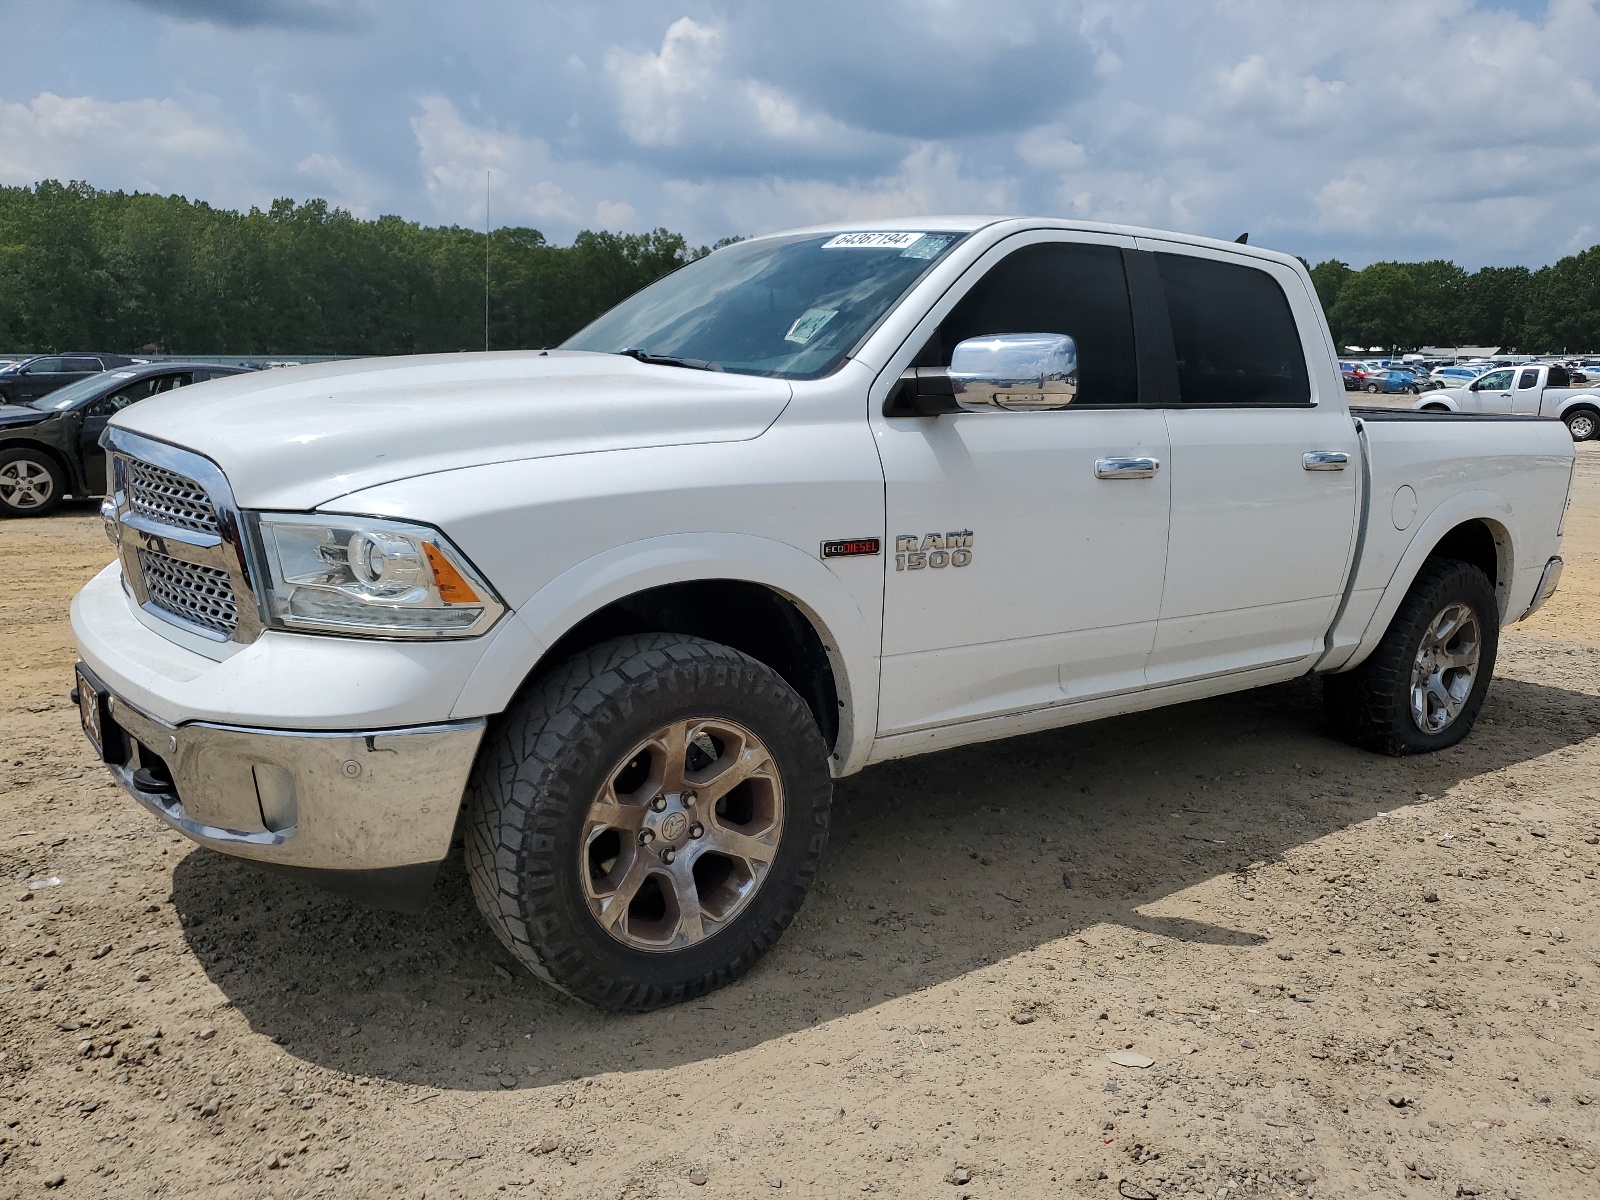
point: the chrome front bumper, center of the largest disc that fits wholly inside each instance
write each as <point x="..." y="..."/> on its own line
<point x="333" y="805"/>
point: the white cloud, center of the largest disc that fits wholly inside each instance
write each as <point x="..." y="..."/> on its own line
<point x="685" y="95"/>
<point x="346" y="186"/>
<point x="929" y="180"/>
<point x="132" y="144"/>
<point x="455" y="156"/>
<point x="1364" y="129"/>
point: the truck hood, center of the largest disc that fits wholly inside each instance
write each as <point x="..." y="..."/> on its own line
<point x="299" y="437"/>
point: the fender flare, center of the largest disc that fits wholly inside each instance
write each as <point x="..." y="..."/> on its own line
<point x="586" y="587"/>
<point x="1458" y="510"/>
<point x="1431" y="399"/>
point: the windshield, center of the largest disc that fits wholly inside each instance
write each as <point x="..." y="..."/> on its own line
<point x="790" y="307"/>
<point x="65" y="397"/>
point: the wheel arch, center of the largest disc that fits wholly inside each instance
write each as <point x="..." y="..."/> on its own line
<point x="1434" y="401"/>
<point x="53" y="453"/>
<point x="764" y="598"/>
<point x="1582" y="400"/>
<point x="1475" y="527"/>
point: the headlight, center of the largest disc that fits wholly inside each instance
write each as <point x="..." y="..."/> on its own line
<point x="365" y="576"/>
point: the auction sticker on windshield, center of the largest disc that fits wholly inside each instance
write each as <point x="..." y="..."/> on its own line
<point x="809" y="324"/>
<point x="879" y="240"/>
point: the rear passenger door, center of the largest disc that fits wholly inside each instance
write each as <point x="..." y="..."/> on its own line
<point x="1526" y="398"/>
<point x="1264" y="467"/>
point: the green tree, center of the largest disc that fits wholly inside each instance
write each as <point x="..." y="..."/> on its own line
<point x="1563" y="310"/>
<point x="1329" y="279"/>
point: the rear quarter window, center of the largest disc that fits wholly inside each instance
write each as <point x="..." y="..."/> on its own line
<point x="1233" y="333"/>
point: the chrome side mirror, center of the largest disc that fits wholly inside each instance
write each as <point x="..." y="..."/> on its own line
<point x="1015" y="372"/>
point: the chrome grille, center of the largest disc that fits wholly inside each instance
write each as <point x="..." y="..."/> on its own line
<point x="168" y="497"/>
<point x="201" y="595"/>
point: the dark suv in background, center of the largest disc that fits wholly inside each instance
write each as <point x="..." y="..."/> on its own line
<point x="39" y="376"/>
<point x="51" y="446"/>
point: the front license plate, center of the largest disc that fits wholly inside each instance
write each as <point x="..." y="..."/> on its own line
<point x="91" y="711"/>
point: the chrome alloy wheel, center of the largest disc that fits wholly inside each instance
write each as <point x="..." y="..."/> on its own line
<point x="25" y="485"/>
<point x="1582" y="426"/>
<point x="1445" y="668"/>
<point x="682" y="834"/>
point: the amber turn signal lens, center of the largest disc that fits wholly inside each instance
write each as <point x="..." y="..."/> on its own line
<point x="452" y="588"/>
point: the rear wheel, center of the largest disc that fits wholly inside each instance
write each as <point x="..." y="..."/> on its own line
<point x="646" y="821"/>
<point x="1421" y="689"/>
<point x="1583" y="424"/>
<point x="31" y="484"/>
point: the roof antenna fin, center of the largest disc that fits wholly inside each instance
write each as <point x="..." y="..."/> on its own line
<point x="1242" y="238"/>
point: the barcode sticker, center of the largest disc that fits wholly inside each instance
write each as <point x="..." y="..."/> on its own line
<point x="877" y="240"/>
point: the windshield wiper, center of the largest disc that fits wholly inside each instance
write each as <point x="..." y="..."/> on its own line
<point x="668" y="360"/>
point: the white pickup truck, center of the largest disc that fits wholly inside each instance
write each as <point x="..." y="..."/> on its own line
<point x="622" y="611"/>
<point x="1535" y="390"/>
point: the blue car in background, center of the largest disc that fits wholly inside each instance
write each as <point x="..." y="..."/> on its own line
<point x="1392" y="379"/>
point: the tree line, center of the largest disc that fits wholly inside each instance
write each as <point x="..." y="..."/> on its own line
<point x="84" y="269"/>
<point x="1401" y="306"/>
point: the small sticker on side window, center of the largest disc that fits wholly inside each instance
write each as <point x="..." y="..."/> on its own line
<point x="872" y="240"/>
<point x="809" y="324"/>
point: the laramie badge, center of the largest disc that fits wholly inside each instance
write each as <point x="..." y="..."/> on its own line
<point x="932" y="550"/>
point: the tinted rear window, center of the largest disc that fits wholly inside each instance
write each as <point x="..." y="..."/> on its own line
<point x="1233" y="332"/>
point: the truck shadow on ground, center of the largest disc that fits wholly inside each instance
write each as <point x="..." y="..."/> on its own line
<point x="937" y="867"/>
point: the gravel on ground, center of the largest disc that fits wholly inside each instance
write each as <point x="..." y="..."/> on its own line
<point x="1199" y="951"/>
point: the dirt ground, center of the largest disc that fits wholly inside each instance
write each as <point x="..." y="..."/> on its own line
<point x="1354" y="974"/>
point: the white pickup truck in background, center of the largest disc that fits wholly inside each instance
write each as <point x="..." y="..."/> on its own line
<point x="621" y="612"/>
<point x="1535" y="390"/>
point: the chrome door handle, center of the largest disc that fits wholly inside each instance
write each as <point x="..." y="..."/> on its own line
<point x="1126" y="468"/>
<point x="1325" y="460"/>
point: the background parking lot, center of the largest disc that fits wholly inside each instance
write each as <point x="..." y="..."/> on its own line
<point x="1353" y="974"/>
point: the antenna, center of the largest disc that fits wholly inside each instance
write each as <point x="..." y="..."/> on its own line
<point x="486" y="238"/>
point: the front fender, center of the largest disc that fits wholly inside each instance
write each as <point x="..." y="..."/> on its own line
<point x="1458" y="510"/>
<point x="1436" y="398"/>
<point x="588" y="586"/>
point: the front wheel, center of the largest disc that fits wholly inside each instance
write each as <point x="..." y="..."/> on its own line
<point x="31" y="485"/>
<point x="1583" y="423"/>
<point x="1421" y="689"/>
<point x="645" y="822"/>
<point x="1373" y="388"/>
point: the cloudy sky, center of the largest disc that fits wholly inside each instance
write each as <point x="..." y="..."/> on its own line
<point x="1362" y="129"/>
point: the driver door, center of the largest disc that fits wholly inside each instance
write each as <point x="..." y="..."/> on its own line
<point x="97" y="414"/>
<point x="1491" y="393"/>
<point x="40" y="378"/>
<point x="1024" y="571"/>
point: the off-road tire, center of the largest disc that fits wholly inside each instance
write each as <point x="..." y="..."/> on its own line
<point x="1583" y="424"/>
<point x="38" y="461"/>
<point x="1371" y="705"/>
<point x="542" y="765"/>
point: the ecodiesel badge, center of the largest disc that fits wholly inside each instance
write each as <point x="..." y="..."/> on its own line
<point x="932" y="550"/>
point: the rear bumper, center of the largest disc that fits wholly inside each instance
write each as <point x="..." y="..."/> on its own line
<point x="369" y="813"/>
<point x="1548" y="582"/>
